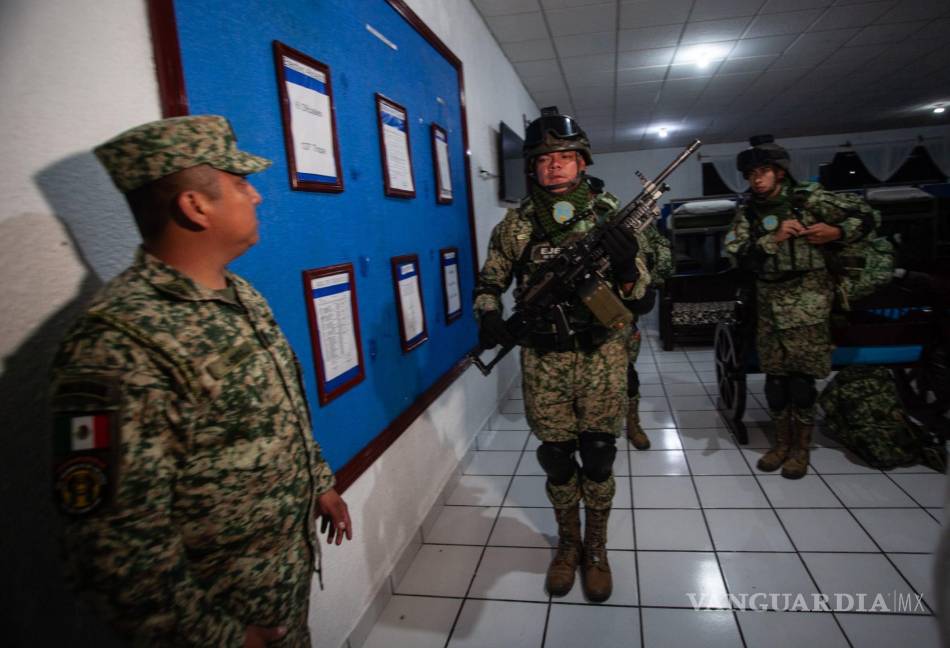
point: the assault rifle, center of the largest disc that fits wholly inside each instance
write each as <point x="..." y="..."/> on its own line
<point x="581" y="270"/>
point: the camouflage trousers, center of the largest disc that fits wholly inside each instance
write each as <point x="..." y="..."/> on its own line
<point x="567" y="393"/>
<point x="596" y="495"/>
<point x="633" y="352"/>
<point x="806" y="350"/>
<point x="793" y="333"/>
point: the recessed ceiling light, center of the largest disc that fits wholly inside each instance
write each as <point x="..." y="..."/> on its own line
<point x="701" y="55"/>
<point x="939" y="109"/>
<point x="663" y="132"/>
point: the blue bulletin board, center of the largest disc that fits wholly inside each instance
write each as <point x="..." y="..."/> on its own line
<point x="370" y="46"/>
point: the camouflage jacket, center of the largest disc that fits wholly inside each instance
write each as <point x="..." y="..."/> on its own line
<point x="517" y="230"/>
<point x="204" y="485"/>
<point x="753" y="230"/>
<point x="659" y="255"/>
<point x="793" y="288"/>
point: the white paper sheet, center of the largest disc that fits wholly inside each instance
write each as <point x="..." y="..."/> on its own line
<point x="397" y="149"/>
<point x="411" y="301"/>
<point x="442" y="161"/>
<point x="335" y="326"/>
<point x="311" y="123"/>
<point x="451" y="271"/>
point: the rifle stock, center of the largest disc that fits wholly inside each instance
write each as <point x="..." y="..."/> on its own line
<point x="577" y="268"/>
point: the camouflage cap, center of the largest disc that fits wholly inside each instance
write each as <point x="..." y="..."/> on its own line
<point x="154" y="150"/>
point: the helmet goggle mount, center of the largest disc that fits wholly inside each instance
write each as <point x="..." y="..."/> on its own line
<point x="764" y="152"/>
<point x="550" y="133"/>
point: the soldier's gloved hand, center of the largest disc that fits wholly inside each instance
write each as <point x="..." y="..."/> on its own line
<point x="492" y="331"/>
<point x="622" y="249"/>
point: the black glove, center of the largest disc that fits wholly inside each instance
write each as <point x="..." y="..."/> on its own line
<point x="492" y="331"/>
<point x="622" y="249"/>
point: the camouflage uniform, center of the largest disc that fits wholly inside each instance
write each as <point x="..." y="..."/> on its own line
<point x="659" y="259"/>
<point x="794" y="291"/>
<point x="566" y="392"/>
<point x="210" y="523"/>
<point x="794" y="296"/>
<point x="184" y="458"/>
<point x="863" y="410"/>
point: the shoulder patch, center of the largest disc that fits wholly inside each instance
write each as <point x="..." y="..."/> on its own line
<point x="82" y="485"/>
<point x="770" y="223"/>
<point x="85" y="442"/>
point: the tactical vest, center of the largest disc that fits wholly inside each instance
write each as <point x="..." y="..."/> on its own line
<point x="794" y="255"/>
<point x="540" y="249"/>
<point x="863" y="266"/>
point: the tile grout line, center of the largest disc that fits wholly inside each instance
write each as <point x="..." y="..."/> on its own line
<point x="465" y="597"/>
<point x="702" y="509"/>
<point x="791" y="540"/>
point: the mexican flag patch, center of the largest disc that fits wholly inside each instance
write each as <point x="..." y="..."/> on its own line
<point x="82" y="432"/>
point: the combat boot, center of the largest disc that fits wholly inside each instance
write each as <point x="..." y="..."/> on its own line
<point x="595" y="574"/>
<point x="560" y="578"/>
<point x="772" y="459"/>
<point x="796" y="465"/>
<point x="635" y="433"/>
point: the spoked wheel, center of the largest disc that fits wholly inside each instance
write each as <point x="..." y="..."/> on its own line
<point x="731" y="378"/>
<point x="925" y="387"/>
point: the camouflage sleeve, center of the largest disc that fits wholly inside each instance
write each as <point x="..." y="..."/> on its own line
<point x="128" y="554"/>
<point x="849" y="212"/>
<point x="497" y="271"/>
<point x="644" y="276"/>
<point x="323" y="478"/>
<point x="659" y="249"/>
<point x="737" y="241"/>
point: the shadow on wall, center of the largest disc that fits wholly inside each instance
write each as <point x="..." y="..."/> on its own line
<point x="103" y="238"/>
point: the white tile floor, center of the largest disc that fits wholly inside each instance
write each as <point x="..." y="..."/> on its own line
<point x="691" y="515"/>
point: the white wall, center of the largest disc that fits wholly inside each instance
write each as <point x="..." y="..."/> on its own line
<point x="617" y="169"/>
<point x="75" y="74"/>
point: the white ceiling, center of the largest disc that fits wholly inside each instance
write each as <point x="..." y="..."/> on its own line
<point x="787" y="67"/>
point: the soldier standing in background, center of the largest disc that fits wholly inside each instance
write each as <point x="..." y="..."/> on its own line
<point x="574" y="376"/>
<point x="185" y="463"/>
<point x="783" y="234"/>
<point x="659" y="259"/>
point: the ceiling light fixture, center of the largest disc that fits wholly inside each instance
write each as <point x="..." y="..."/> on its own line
<point x="703" y="56"/>
<point x="939" y="109"/>
<point x="663" y="132"/>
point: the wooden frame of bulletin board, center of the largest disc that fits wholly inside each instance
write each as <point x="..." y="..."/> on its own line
<point x="434" y="367"/>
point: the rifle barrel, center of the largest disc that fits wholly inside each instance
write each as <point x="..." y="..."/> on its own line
<point x="689" y="150"/>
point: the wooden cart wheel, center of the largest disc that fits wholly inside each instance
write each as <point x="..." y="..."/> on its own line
<point x="925" y="387"/>
<point x="731" y="378"/>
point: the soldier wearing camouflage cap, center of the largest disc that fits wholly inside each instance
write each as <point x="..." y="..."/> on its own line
<point x="185" y="464"/>
<point x="784" y="234"/>
<point x="574" y="376"/>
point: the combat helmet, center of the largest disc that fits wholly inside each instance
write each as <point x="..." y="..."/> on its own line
<point x="763" y="152"/>
<point x="552" y="132"/>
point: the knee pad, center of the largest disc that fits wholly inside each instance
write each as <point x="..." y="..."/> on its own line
<point x="557" y="460"/>
<point x="801" y="391"/>
<point x="598" y="450"/>
<point x="633" y="380"/>
<point x="776" y="392"/>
